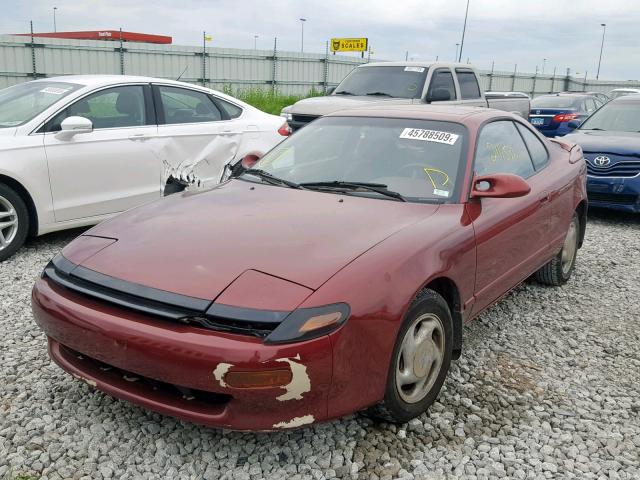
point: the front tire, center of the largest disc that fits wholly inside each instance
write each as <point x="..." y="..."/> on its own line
<point x="559" y="269"/>
<point x="14" y="222"/>
<point x="420" y="360"/>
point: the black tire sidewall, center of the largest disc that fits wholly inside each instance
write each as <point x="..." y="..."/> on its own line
<point x="23" y="221"/>
<point x="428" y="302"/>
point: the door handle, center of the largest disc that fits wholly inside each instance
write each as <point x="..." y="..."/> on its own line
<point x="138" y="136"/>
<point x="545" y="197"/>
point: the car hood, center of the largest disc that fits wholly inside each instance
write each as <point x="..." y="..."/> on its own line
<point x="198" y="243"/>
<point x="332" y="103"/>
<point x="617" y="143"/>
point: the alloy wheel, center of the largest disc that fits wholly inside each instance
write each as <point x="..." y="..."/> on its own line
<point x="8" y="223"/>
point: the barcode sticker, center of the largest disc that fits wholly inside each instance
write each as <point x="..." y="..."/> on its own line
<point x="429" y="135"/>
<point x="414" y="69"/>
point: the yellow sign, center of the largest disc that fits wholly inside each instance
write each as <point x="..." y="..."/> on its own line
<point x="349" y="44"/>
<point x="208" y="38"/>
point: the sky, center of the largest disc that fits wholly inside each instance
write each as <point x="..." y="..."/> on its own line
<point x="567" y="33"/>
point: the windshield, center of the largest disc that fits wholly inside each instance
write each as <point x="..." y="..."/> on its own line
<point x="397" y="82"/>
<point x="555" y="101"/>
<point x="419" y="159"/>
<point x="623" y="116"/>
<point x="21" y="103"/>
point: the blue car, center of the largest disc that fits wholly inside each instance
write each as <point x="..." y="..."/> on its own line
<point x="551" y="114"/>
<point x="610" y="139"/>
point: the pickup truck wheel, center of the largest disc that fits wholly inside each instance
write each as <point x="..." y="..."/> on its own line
<point x="420" y="360"/>
<point x="559" y="269"/>
<point x="14" y="222"/>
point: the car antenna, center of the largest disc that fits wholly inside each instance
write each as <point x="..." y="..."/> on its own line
<point x="180" y="76"/>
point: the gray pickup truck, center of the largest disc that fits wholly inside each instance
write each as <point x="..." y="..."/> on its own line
<point x="405" y="83"/>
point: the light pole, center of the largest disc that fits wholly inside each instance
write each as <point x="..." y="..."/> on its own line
<point x="604" y="29"/>
<point x="464" y="28"/>
<point x="544" y="63"/>
<point x="302" y="20"/>
<point x="55" y="29"/>
<point x="455" y="59"/>
<point x="255" y="42"/>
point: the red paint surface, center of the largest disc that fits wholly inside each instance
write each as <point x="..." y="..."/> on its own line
<point x="246" y="243"/>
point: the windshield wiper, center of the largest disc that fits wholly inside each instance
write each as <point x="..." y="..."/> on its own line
<point x="272" y="179"/>
<point x="343" y="92"/>
<point x="380" y="188"/>
<point x="379" y="94"/>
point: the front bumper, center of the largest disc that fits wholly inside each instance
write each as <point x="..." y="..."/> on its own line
<point x="175" y="369"/>
<point x="616" y="193"/>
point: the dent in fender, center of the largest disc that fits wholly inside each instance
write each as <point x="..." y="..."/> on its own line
<point x="300" y="382"/>
<point x="295" y="422"/>
<point x="220" y="372"/>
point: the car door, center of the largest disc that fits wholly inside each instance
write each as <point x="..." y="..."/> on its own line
<point x="198" y="134"/>
<point x="469" y="88"/>
<point x="111" y="168"/>
<point x="441" y="83"/>
<point x="511" y="233"/>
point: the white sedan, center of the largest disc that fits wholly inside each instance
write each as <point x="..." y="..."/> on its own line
<point x="75" y="150"/>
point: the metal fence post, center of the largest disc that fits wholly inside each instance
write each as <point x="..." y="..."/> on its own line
<point x="513" y="83"/>
<point x="121" y="55"/>
<point x="491" y="76"/>
<point x="204" y="57"/>
<point x="533" y="88"/>
<point x="584" y="84"/>
<point x="553" y="81"/>
<point x="275" y="64"/>
<point x="326" y="67"/>
<point x="33" y="53"/>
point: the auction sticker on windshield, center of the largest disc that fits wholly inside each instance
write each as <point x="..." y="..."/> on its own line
<point x="429" y="135"/>
<point x="54" y="90"/>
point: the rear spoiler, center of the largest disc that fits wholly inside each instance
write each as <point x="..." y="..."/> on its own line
<point x="575" y="150"/>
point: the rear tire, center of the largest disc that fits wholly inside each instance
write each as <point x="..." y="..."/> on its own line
<point x="559" y="269"/>
<point x="14" y="222"/>
<point x="420" y="360"/>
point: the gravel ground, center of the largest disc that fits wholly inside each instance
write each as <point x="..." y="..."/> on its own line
<point x="548" y="387"/>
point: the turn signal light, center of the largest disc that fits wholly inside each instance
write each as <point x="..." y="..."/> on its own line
<point x="284" y="130"/>
<point x="564" y="117"/>
<point x="320" y="321"/>
<point x="258" y="378"/>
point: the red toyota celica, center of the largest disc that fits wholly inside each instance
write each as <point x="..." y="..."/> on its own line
<point x="334" y="275"/>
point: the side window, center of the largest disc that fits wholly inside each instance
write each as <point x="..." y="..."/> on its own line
<point x="187" y="106"/>
<point x="590" y="105"/>
<point x="469" y="88"/>
<point x="442" y="85"/>
<point x="501" y="150"/>
<point x="232" y="110"/>
<point x="537" y="150"/>
<point x="110" y="108"/>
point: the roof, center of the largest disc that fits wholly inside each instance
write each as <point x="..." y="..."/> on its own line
<point x="416" y="64"/>
<point x="634" y="97"/>
<point x="97" y="80"/>
<point x="451" y="113"/>
<point x="627" y="89"/>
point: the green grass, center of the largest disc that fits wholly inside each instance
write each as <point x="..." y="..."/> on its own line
<point x="268" y="100"/>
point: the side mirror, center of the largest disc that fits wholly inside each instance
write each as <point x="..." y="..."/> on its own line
<point x="72" y="126"/>
<point x="438" y="95"/>
<point x="330" y="90"/>
<point x="573" y="124"/>
<point x="499" y="185"/>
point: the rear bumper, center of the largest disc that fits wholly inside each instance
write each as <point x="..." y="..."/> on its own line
<point x="615" y="193"/>
<point x="176" y="369"/>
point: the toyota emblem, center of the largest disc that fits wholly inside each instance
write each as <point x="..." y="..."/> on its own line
<point x="601" y="161"/>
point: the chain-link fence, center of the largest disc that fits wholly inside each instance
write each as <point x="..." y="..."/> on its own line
<point x="26" y="58"/>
